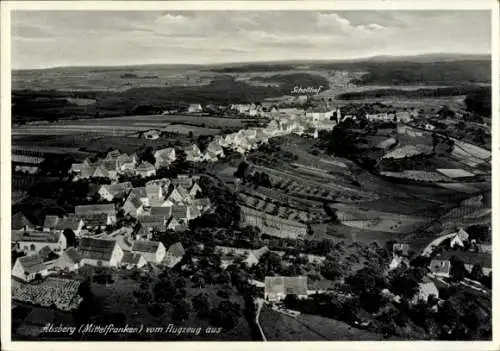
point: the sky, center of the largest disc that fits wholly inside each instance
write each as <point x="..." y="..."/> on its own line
<point x="42" y="39"/>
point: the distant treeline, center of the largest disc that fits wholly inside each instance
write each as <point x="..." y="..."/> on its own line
<point x="53" y="105"/>
<point x="391" y="72"/>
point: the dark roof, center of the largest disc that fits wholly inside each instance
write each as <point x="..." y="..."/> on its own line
<point x="144" y="166"/>
<point x="44" y="252"/>
<point x="96" y="208"/>
<point x="50" y="221"/>
<point x="179" y="211"/>
<point x="72" y="255"/>
<point x="130" y="258"/>
<point x="152" y="219"/>
<point x="19" y="221"/>
<point x="97" y="249"/>
<point x="139" y="192"/>
<point x="119" y="188"/>
<point x="161" y="211"/>
<point x="286" y="285"/>
<point x="146" y="246"/>
<point x="176" y="250"/>
<point x="95" y="220"/>
<point x="32" y="264"/>
<point x="183" y="181"/>
<point x="42" y="237"/>
<point x="134" y="200"/>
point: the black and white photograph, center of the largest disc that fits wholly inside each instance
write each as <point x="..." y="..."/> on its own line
<point x="249" y="175"/>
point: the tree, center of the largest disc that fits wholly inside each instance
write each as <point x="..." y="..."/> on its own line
<point x="201" y="305"/>
<point x="476" y="273"/>
<point x="181" y="310"/>
<point x="330" y="270"/>
<point x="457" y="270"/>
<point x="225" y="315"/>
<point x="70" y="237"/>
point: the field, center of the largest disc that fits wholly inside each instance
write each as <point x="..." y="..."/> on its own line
<point x="279" y="327"/>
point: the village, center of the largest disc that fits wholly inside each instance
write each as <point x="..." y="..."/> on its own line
<point x="152" y="212"/>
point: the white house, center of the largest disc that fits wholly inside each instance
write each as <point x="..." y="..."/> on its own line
<point x="164" y="157"/>
<point x="195" y="108"/>
<point x="31" y="243"/>
<point x="276" y="288"/>
<point x="69" y="260"/>
<point x="133" y="260"/>
<point x="426" y="289"/>
<point x="133" y="206"/>
<point x="153" y="251"/>
<point x="110" y="192"/>
<point x="27" y="267"/>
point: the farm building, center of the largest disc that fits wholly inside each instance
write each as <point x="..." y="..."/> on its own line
<point x="133" y="260"/>
<point x="426" y="289"/>
<point x="133" y="206"/>
<point x="403" y="116"/>
<point x="100" y="252"/>
<point x="277" y="288"/>
<point x="459" y="239"/>
<point x="31" y="243"/>
<point x="152" y="223"/>
<point x="27" y="267"/>
<point x="108" y="209"/>
<point x="164" y="157"/>
<point x="401" y="249"/>
<point x="272" y="225"/>
<point x="440" y="268"/>
<point x="174" y="254"/>
<point x="55" y="223"/>
<point x="195" y="108"/>
<point x="152" y="251"/>
<point x="145" y="169"/>
<point x="20" y="222"/>
<point x="69" y="260"/>
<point x="110" y="192"/>
<point x="193" y="153"/>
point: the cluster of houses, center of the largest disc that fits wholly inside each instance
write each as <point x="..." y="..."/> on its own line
<point x="97" y="252"/>
<point x="401" y="116"/>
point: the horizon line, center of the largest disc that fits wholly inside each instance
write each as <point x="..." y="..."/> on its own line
<point x="357" y="58"/>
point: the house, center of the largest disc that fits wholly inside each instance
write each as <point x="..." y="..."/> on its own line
<point x="193" y="153"/>
<point x="194" y="191"/>
<point x="152" y="134"/>
<point x="108" y="209"/>
<point x="141" y="194"/>
<point x="96" y="221"/>
<point x="184" y="214"/>
<point x="153" y="222"/>
<point x="203" y="204"/>
<point x="27" y="267"/>
<point x="403" y="116"/>
<point x="183" y="180"/>
<point x="426" y="289"/>
<point x="20" y="222"/>
<point x="209" y="157"/>
<point x="459" y="239"/>
<point x="176" y="197"/>
<point x="69" y="260"/>
<point x="154" y="192"/>
<point x="195" y="108"/>
<point x="126" y="163"/>
<point x="55" y="223"/>
<point x="110" y="192"/>
<point x="429" y="126"/>
<point x="133" y="206"/>
<point x="440" y="268"/>
<point x="173" y="224"/>
<point x="100" y="252"/>
<point x="254" y="256"/>
<point x="400" y="249"/>
<point x="153" y="251"/>
<point x="31" y="243"/>
<point x="215" y="148"/>
<point x="277" y="288"/>
<point x="397" y="261"/>
<point x="132" y="260"/>
<point x="164" y="157"/>
<point x="161" y="211"/>
<point x="145" y="169"/>
<point x="174" y="254"/>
